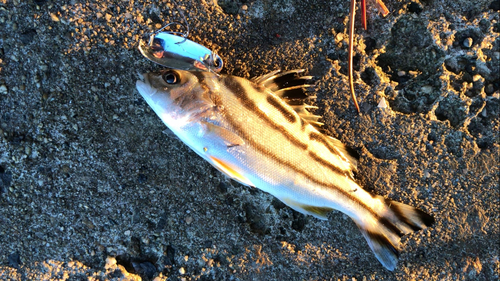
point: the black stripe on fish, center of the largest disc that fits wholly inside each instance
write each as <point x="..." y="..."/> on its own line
<point x="240" y="92"/>
<point x="325" y="163"/>
<point x="383" y="240"/>
<point x="288" y="114"/>
<point x="336" y="147"/>
<point x="405" y="214"/>
<point x="258" y="87"/>
<point x="391" y="226"/>
<point x="322" y="139"/>
<point x="302" y="124"/>
<point x="200" y="76"/>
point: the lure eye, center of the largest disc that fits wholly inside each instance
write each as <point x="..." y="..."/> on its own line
<point x="170" y="77"/>
<point x="218" y="62"/>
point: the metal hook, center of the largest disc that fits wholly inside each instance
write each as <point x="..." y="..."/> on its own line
<point x="181" y="34"/>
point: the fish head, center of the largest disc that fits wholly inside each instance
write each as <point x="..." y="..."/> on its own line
<point x="174" y="95"/>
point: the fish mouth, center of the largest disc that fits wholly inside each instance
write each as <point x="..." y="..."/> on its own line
<point x="144" y="88"/>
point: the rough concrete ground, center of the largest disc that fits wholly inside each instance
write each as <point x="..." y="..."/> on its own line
<point x="90" y="188"/>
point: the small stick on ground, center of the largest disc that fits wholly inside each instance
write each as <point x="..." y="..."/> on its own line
<point x="385" y="12"/>
<point x="350" y="53"/>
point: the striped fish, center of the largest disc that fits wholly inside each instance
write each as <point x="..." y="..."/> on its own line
<point x="260" y="133"/>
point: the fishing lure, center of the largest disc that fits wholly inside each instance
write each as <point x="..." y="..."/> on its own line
<point x="177" y="52"/>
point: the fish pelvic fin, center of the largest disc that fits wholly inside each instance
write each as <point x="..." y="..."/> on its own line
<point x="385" y="234"/>
<point x="230" y="171"/>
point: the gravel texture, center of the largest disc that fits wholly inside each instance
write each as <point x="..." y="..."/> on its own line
<point x="90" y="187"/>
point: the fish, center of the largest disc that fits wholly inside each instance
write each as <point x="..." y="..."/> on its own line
<point x="261" y="133"/>
<point x="177" y="52"/>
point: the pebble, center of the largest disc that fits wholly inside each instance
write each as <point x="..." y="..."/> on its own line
<point x="110" y="263"/>
<point x="476" y="77"/>
<point x="54" y="17"/>
<point x="427" y="89"/>
<point x="3" y="89"/>
<point x="490" y="89"/>
<point x="382" y="103"/>
<point x="468" y="42"/>
<point x="182" y="271"/>
<point x="339" y="37"/>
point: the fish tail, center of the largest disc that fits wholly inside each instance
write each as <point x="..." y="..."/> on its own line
<point x="384" y="233"/>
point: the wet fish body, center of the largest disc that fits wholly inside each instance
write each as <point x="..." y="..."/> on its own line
<point x="248" y="131"/>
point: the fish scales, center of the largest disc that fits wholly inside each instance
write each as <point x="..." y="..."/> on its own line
<point x="252" y="135"/>
<point x="287" y="143"/>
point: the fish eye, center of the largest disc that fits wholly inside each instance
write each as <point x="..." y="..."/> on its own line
<point x="171" y="77"/>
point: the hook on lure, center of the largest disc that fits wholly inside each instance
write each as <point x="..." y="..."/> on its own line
<point x="184" y="35"/>
<point x="172" y="49"/>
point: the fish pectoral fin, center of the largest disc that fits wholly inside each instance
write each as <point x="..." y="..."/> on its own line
<point x="319" y="212"/>
<point x="229" y="138"/>
<point x="229" y="171"/>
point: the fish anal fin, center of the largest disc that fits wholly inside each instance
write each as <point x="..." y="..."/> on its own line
<point x="229" y="171"/>
<point x="315" y="211"/>
<point x="229" y="138"/>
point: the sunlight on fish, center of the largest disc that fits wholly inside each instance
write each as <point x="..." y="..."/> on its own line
<point x="247" y="131"/>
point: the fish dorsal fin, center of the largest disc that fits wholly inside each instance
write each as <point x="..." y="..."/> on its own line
<point x="287" y="85"/>
<point x="315" y="211"/>
<point x="293" y="89"/>
<point x="304" y="113"/>
<point x="229" y="138"/>
<point x="350" y="154"/>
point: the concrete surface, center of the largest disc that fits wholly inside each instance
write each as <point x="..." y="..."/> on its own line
<point x="92" y="189"/>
